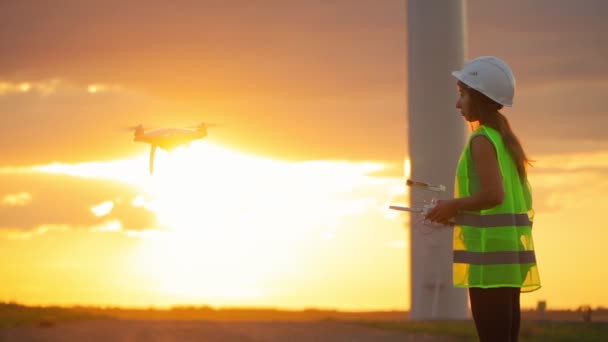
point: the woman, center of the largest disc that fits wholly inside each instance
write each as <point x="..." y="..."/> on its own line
<point x="493" y="248"/>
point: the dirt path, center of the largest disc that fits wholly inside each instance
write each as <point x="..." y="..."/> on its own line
<point x="204" y="331"/>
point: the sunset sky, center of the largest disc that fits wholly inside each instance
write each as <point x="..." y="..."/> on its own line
<point x="285" y="204"/>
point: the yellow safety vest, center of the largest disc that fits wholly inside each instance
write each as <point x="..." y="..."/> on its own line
<point x="493" y="247"/>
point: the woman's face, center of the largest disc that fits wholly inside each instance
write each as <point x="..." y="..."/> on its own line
<point x="464" y="104"/>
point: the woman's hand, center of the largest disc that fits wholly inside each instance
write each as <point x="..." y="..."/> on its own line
<point x="443" y="212"/>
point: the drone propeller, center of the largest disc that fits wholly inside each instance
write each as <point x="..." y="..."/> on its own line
<point x="205" y="124"/>
<point x="134" y="128"/>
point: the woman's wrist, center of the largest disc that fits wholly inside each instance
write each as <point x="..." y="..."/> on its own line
<point x="457" y="203"/>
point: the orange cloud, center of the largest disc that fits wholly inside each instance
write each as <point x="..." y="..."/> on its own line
<point x="17" y="199"/>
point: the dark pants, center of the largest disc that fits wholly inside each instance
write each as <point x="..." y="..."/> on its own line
<point x="496" y="313"/>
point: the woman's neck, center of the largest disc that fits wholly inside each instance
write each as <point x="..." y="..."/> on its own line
<point x="490" y="120"/>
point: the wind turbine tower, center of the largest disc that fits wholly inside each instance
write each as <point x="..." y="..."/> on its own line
<point x="436" y="47"/>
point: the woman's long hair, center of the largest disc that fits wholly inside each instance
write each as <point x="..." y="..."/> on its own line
<point x="487" y="112"/>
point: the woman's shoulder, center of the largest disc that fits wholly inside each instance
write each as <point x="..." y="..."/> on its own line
<point x="489" y="133"/>
<point x="485" y="130"/>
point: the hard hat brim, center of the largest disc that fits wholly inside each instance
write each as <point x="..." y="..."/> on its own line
<point x="459" y="76"/>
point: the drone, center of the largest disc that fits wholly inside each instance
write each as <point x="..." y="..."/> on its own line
<point x="168" y="138"/>
<point x="422" y="210"/>
<point x="426" y="208"/>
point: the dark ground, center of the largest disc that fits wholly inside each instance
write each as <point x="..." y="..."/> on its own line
<point x="206" y="331"/>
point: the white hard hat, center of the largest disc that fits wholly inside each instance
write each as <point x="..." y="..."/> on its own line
<point x="490" y="76"/>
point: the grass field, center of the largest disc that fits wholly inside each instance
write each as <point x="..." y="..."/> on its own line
<point x="12" y="315"/>
<point x="530" y="330"/>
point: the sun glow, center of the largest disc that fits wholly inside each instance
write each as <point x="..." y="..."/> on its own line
<point x="229" y="224"/>
<point x="241" y="218"/>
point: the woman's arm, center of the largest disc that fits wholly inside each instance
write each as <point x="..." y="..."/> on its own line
<point x="491" y="191"/>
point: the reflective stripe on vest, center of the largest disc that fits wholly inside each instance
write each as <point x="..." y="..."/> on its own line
<point x="494" y="258"/>
<point x="492" y="220"/>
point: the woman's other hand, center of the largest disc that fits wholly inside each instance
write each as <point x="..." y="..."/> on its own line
<point x="444" y="212"/>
